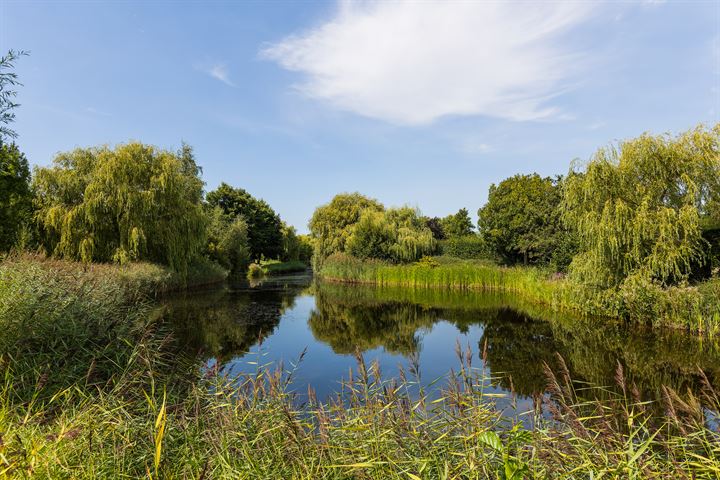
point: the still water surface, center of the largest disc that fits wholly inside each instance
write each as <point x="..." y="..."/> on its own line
<point x="277" y="319"/>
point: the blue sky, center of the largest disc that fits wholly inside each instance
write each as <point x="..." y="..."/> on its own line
<point x="419" y="103"/>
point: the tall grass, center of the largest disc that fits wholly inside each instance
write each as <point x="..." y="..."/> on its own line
<point x="696" y="308"/>
<point x="252" y="426"/>
<point x="276" y="267"/>
<point x="123" y="404"/>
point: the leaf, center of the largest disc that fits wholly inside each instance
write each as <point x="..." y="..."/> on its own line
<point x="492" y="440"/>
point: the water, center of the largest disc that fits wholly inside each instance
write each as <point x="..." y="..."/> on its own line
<point x="276" y="319"/>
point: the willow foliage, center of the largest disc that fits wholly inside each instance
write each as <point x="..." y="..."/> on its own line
<point x="638" y="208"/>
<point x="397" y="235"/>
<point x="331" y="225"/>
<point x="134" y="202"/>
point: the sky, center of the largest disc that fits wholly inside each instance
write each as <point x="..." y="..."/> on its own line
<point x="419" y="103"/>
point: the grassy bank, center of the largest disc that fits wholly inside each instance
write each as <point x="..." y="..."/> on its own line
<point x="93" y="388"/>
<point x="696" y="308"/>
<point x="276" y="267"/>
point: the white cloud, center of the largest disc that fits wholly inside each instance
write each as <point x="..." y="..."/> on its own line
<point x="218" y="71"/>
<point x="409" y="62"/>
<point x="472" y="146"/>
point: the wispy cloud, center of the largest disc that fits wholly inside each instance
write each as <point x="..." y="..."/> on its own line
<point x="218" y="71"/>
<point x="409" y="62"/>
<point x="95" y="111"/>
<point x="475" y="147"/>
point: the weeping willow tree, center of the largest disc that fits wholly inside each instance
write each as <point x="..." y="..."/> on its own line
<point x="134" y="202"/>
<point x="397" y="235"/>
<point x="638" y="208"/>
<point x="331" y="225"/>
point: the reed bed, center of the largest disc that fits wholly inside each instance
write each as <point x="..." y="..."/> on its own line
<point x="92" y="387"/>
<point x="694" y="308"/>
<point x="253" y="426"/>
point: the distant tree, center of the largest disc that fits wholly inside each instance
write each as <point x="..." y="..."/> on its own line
<point x="305" y="248"/>
<point x="638" y="208"/>
<point x="295" y="247"/>
<point x="436" y="227"/>
<point x="397" y="235"/>
<point x="372" y="236"/>
<point x="227" y="242"/>
<point x="8" y="80"/>
<point x="264" y="225"/>
<point x="331" y="224"/>
<point x="468" y="247"/>
<point x="133" y="202"/>
<point x="457" y="225"/>
<point x="521" y="220"/>
<point x="15" y="195"/>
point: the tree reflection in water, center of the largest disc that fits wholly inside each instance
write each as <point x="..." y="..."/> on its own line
<point x="518" y="337"/>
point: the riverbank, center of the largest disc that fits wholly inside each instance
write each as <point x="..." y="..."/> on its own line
<point x="275" y="267"/>
<point x="94" y="388"/>
<point x="695" y="308"/>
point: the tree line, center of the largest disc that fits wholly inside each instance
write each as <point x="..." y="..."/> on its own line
<point x="133" y="202"/>
<point x="644" y="212"/>
<point x="136" y="202"/>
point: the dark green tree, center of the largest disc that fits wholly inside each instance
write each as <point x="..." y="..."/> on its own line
<point x="15" y="194"/>
<point x="264" y="225"/>
<point x="227" y="242"/>
<point x="436" y="227"/>
<point x="458" y="224"/>
<point x="521" y="220"/>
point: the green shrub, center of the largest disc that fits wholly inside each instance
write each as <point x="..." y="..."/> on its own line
<point x="467" y="247"/>
<point x="275" y="267"/>
<point x="255" y="270"/>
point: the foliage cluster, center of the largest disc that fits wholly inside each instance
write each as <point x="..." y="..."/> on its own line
<point x="265" y="235"/>
<point x="294" y="246"/>
<point x="362" y="227"/>
<point x="15" y="195"/>
<point x="452" y="226"/>
<point x="8" y="80"/>
<point x="466" y="247"/>
<point x="332" y="224"/>
<point x="457" y="225"/>
<point x="227" y="241"/>
<point x="638" y="209"/>
<point x="134" y="202"/>
<point x="521" y="220"/>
